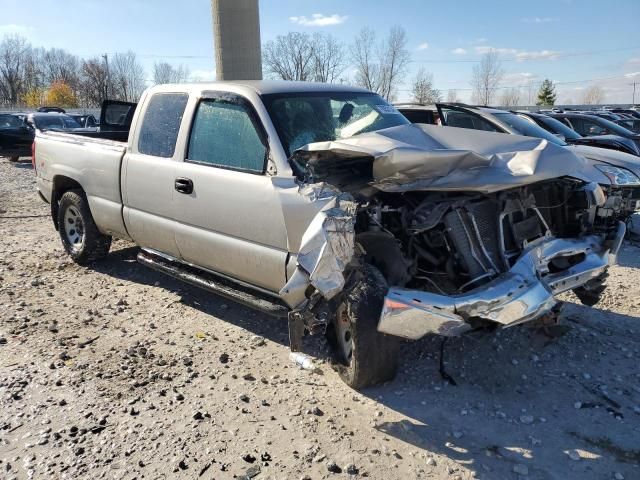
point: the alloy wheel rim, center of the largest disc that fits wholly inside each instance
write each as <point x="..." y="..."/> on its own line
<point x="74" y="228"/>
<point x="344" y="334"/>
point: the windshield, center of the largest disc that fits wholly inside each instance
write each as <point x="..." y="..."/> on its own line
<point x="61" y="121"/>
<point x="556" y="126"/>
<point x="525" y="127"/>
<point x="302" y="118"/>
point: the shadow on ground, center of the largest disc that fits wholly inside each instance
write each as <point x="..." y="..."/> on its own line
<point x="122" y="264"/>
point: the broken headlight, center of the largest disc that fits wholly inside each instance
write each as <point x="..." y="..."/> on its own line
<point x="619" y="176"/>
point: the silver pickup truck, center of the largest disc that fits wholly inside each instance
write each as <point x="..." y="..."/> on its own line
<point x="323" y="204"/>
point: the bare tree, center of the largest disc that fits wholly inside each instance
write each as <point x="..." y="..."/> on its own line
<point x="381" y="65"/>
<point x="510" y="97"/>
<point x="363" y="55"/>
<point x="422" y="90"/>
<point x="35" y="77"/>
<point x="329" y="59"/>
<point x="486" y="77"/>
<point x="164" y="72"/>
<point x="127" y="76"/>
<point x="14" y="55"/>
<point x="61" y="66"/>
<point x="452" y="96"/>
<point x="394" y="60"/>
<point x="289" y="57"/>
<point x="94" y="83"/>
<point x="593" y="95"/>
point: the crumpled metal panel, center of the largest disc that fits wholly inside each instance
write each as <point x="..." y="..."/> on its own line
<point x="523" y="293"/>
<point x="327" y="246"/>
<point x="427" y="157"/>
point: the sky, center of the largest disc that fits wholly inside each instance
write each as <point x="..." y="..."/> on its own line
<point x="575" y="43"/>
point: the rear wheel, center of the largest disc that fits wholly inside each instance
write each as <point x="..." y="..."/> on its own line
<point x="79" y="234"/>
<point x="366" y="357"/>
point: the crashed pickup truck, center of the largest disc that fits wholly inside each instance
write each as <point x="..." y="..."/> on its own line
<point x="323" y="204"/>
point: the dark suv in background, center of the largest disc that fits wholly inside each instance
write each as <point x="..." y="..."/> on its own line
<point x="16" y="136"/>
<point x="561" y="130"/>
<point x="592" y="125"/>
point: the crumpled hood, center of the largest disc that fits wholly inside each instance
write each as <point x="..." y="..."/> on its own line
<point x="611" y="157"/>
<point x="429" y="157"/>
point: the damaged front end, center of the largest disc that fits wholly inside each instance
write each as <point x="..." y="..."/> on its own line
<point x="467" y="230"/>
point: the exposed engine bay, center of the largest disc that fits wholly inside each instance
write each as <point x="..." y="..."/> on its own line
<point x="451" y="243"/>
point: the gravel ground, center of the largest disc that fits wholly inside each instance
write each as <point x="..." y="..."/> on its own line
<point x="117" y="371"/>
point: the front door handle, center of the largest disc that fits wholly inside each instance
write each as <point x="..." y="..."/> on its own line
<point x="183" y="185"/>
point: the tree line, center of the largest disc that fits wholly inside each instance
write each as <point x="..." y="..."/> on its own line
<point x="35" y="76"/>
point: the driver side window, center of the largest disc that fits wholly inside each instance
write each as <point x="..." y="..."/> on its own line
<point x="224" y="135"/>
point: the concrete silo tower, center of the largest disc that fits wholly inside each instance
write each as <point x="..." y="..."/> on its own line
<point x="236" y="32"/>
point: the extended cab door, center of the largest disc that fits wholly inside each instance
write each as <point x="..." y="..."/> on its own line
<point x="149" y="173"/>
<point x="228" y="215"/>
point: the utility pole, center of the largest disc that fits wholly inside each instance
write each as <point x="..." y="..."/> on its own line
<point x="108" y="77"/>
<point x="236" y="29"/>
<point x="634" y="92"/>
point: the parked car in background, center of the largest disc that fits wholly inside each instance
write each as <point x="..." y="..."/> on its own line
<point x="85" y="120"/>
<point x="626" y="111"/>
<point x="16" y="136"/>
<point x="52" y="121"/>
<point x="561" y="130"/>
<point x="419" y="113"/>
<point x="591" y="125"/>
<point x="618" y="173"/>
<point x="612" y="117"/>
<point x="51" y="110"/>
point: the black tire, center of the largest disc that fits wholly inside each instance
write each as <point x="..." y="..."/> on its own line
<point x="92" y="245"/>
<point x="374" y="355"/>
<point x="14" y="159"/>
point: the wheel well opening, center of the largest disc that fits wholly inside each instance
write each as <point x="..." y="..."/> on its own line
<point x="61" y="184"/>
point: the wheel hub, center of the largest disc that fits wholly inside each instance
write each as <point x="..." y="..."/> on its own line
<point x="74" y="228"/>
<point x="344" y="333"/>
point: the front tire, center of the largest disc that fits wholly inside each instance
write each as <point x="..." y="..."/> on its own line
<point x="366" y="357"/>
<point x="79" y="234"/>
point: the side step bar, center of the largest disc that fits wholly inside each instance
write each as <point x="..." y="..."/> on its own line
<point x="214" y="283"/>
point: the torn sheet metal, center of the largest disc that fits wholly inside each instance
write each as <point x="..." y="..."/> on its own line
<point x="327" y="246"/>
<point x="525" y="292"/>
<point x="427" y="157"/>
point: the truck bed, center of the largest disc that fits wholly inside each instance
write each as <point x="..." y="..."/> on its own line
<point x="93" y="163"/>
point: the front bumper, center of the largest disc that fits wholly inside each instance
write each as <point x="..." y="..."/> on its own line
<point x="526" y="292"/>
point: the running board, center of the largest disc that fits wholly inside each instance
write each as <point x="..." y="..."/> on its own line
<point x="213" y="283"/>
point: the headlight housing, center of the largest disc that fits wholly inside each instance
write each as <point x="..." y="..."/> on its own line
<point x="619" y="176"/>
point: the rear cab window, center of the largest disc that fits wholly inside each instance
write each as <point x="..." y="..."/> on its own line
<point x="161" y="124"/>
